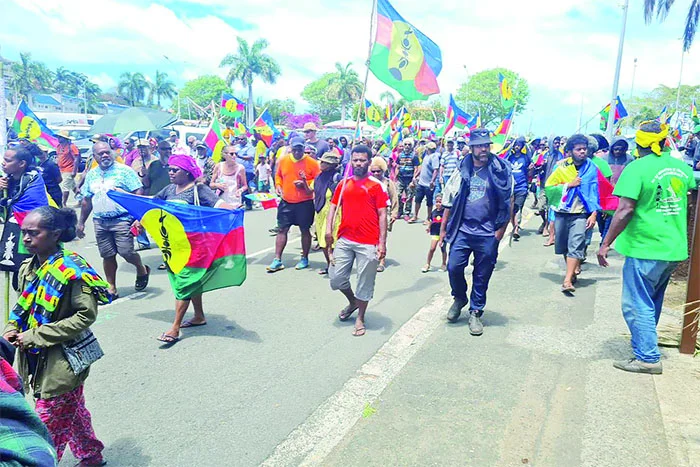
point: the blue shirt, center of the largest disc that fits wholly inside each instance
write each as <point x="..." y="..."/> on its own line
<point x="520" y="164"/>
<point x="450" y="162"/>
<point x="98" y="182"/>
<point x="248" y="151"/>
<point x="478" y="218"/>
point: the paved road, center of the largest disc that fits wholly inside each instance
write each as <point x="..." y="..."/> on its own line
<point x="273" y="351"/>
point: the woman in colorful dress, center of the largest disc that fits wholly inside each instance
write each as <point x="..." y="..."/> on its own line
<point x="58" y="302"/>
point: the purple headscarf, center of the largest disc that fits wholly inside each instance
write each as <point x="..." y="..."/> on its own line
<point x="185" y="163"/>
<point x="117" y="142"/>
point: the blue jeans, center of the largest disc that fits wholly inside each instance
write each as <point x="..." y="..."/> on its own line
<point x="604" y="221"/>
<point x="644" y="283"/>
<point x="143" y="240"/>
<point x="485" y="251"/>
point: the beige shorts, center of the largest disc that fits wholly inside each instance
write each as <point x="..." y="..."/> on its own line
<point x="67" y="181"/>
<point x="364" y="257"/>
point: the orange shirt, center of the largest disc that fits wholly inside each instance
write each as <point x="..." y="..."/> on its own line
<point x="288" y="170"/>
<point x="65" y="157"/>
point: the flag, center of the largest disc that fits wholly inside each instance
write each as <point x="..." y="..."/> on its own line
<point x="386" y="134"/>
<point x="620" y="113"/>
<point x="265" y="128"/>
<point x="395" y="139"/>
<point x="506" y="92"/>
<point x="231" y="107"/>
<point x="407" y="119"/>
<point x="397" y="119"/>
<point x="694" y="113"/>
<point x="214" y="140"/>
<point x="504" y="127"/>
<point x="32" y="194"/>
<point x="664" y="116"/>
<point x="591" y="177"/>
<point x="267" y="200"/>
<point x="203" y="248"/>
<point x="403" y="57"/>
<point x="677" y="133"/>
<point x="27" y="125"/>
<point x="372" y="114"/>
<point x="239" y="129"/>
<point x="388" y="112"/>
<point x="475" y="121"/>
<point x="459" y="117"/>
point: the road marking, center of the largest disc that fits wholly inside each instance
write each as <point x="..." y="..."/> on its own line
<point x="312" y="441"/>
<point x="272" y="248"/>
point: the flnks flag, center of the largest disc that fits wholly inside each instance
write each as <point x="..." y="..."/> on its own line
<point x="620" y="112"/>
<point x="372" y="114"/>
<point x="203" y="248"/>
<point x="28" y="125"/>
<point x="214" y="140"/>
<point x="506" y="92"/>
<point x="455" y="117"/>
<point x="265" y="128"/>
<point x="231" y="107"/>
<point x="403" y="57"/>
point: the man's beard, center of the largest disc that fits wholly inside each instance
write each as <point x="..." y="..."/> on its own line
<point x="360" y="171"/>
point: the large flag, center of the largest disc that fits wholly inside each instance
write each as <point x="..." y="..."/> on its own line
<point x="27" y="125"/>
<point x="214" y="140"/>
<point x="231" y="107"/>
<point x="694" y="113"/>
<point x="403" y="57"/>
<point x="620" y="112"/>
<point x="203" y="248"/>
<point x="265" y="128"/>
<point x="31" y="195"/>
<point x="506" y="92"/>
<point x="372" y="114"/>
<point x="504" y="127"/>
<point x="595" y="191"/>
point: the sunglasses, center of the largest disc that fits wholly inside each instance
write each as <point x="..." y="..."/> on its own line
<point x="307" y="152"/>
<point x="377" y="171"/>
<point x="173" y="170"/>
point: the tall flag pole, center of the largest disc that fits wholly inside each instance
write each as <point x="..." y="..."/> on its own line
<point x="403" y="57"/>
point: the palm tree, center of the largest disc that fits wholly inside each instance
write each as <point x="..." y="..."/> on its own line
<point x="28" y="75"/>
<point x="62" y="80"/>
<point x="132" y="86"/>
<point x="249" y="63"/>
<point x="344" y="86"/>
<point x="161" y="87"/>
<point x="662" y="7"/>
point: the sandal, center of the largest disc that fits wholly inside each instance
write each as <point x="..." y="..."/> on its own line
<point x="142" y="281"/>
<point x="190" y="324"/>
<point x="549" y="244"/>
<point x="359" y="332"/>
<point x="323" y="272"/>
<point x="168" y="339"/>
<point x="570" y="289"/>
<point x="161" y="267"/>
<point x="347" y="312"/>
<point x="381" y="268"/>
<point x="426" y="268"/>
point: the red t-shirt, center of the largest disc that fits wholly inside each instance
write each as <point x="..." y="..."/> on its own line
<point x="361" y="199"/>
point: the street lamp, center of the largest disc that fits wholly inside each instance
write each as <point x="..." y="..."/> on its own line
<point x="616" y="82"/>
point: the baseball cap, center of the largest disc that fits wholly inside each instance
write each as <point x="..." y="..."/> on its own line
<point x="297" y="142"/>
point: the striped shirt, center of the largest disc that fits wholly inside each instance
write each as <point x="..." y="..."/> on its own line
<point x="450" y="162"/>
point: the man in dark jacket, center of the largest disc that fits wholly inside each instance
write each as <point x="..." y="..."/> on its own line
<point x="477" y="202"/>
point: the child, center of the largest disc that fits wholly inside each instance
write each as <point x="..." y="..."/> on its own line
<point x="434" y="231"/>
<point x="263" y="172"/>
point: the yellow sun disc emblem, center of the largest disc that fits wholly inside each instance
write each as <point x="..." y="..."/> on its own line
<point x="29" y="128"/>
<point x="170" y="236"/>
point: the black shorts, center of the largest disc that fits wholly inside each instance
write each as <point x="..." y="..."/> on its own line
<point x="424" y="192"/>
<point x="519" y="201"/>
<point x="301" y="214"/>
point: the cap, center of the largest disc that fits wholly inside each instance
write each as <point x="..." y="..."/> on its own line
<point x="64" y="134"/>
<point x="296" y="142"/>
<point x="330" y="158"/>
<point x="200" y="145"/>
<point x="461" y="139"/>
<point x="143" y="142"/>
<point x="480" y="136"/>
<point x="173" y="133"/>
<point x="310" y="147"/>
<point x="310" y="126"/>
<point x="431" y="145"/>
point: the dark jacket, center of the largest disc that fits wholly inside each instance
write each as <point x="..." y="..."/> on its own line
<point x="457" y="192"/>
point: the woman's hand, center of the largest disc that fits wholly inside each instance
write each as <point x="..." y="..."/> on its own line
<point x="10" y="336"/>
<point x="3" y="183"/>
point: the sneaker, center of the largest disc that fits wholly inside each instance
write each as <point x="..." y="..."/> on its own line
<point x="302" y="264"/>
<point x="476" y="328"/>
<point x="275" y="266"/>
<point x="455" y="310"/>
<point x="636" y="366"/>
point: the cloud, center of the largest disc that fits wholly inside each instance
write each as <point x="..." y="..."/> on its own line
<point x="564" y="48"/>
<point x="103" y="80"/>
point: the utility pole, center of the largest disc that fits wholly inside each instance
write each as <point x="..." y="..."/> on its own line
<point x="616" y="81"/>
<point x="634" y="74"/>
<point x="3" y="109"/>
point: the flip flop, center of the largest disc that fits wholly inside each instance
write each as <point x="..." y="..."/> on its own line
<point x="568" y="290"/>
<point x="323" y="272"/>
<point x="359" y="332"/>
<point x="190" y="324"/>
<point x="161" y="267"/>
<point x="168" y="339"/>
<point x="142" y="281"/>
<point x="346" y="313"/>
<point x="425" y="269"/>
<point x="381" y="268"/>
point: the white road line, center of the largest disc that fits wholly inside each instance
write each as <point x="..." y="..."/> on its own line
<point x="312" y="441"/>
<point x="272" y="248"/>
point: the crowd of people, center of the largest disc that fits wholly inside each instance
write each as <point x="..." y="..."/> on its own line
<point x="346" y="197"/>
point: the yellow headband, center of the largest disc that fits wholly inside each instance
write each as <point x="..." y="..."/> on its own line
<point x="652" y="140"/>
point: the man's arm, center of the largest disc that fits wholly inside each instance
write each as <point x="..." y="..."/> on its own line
<point x="381" y="248"/>
<point x="76" y="160"/>
<point x="85" y="210"/>
<point x="443" y="226"/>
<point x="620" y="220"/>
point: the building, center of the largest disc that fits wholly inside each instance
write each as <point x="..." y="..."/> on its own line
<point x="55" y="103"/>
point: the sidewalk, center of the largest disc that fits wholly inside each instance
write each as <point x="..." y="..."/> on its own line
<point x="537" y="388"/>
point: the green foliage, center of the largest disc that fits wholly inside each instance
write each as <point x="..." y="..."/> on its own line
<point x="202" y="91"/>
<point x="429" y="110"/>
<point x="248" y="63"/>
<point x="648" y="106"/>
<point x="344" y="85"/>
<point x="277" y="106"/>
<point x="319" y="102"/>
<point x="161" y="87"/>
<point x="482" y="92"/>
<point x="133" y="87"/>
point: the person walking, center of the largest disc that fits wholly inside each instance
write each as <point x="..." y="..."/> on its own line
<point x="324" y="187"/>
<point x="112" y="222"/>
<point x="651" y="229"/>
<point x="572" y="190"/>
<point x="477" y="202"/>
<point x="520" y="166"/>
<point x="378" y="168"/>
<point x="68" y="160"/>
<point x="361" y="236"/>
<point x="228" y="178"/>
<point x="449" y="162"/>
<point x="49" y="171"/>
<point x="295" y="175"/>
<point x="408" y="169"/>
<point x="434" y="232"/>
<point x="246" y="157"/>
<point x="59" y="295"/>
<point x="425" y="184"/>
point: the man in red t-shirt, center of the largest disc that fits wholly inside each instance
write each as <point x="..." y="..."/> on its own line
<point x="361" y="235"/>
<point x="68" y="161"/>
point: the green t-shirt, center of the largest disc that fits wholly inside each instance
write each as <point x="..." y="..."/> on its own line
<point x="603" y="166"/>
<point x="659" y="225"/>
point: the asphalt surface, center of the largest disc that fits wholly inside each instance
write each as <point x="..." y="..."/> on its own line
<point x="271" y="353"/>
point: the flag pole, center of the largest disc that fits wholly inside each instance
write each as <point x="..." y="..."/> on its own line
<point x="616" y="82"/>
<point x="369" y="55"/>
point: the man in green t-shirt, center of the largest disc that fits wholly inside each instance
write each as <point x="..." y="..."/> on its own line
<point x="650" y="226"/>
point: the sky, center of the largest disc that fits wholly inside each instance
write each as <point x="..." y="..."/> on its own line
<point x="565" y="49"/>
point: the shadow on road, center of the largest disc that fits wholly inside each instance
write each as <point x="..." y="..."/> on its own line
<point x="373" y="322"/>
<point x="489" y="318"/>
<point x="217" y="326"/>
